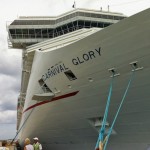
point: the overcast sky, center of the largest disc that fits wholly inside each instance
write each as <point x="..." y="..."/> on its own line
<point x="10" y="59"/>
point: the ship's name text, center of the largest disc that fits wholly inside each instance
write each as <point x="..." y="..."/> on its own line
<point x="87" y="56"/>
<point x="54" y="70"/>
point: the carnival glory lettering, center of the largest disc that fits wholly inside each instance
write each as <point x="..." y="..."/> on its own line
<point x="54" y="70"/>
<point x="87" y="56"/>
<point x="59" y="68"/>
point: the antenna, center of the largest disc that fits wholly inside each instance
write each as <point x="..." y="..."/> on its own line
<point x="108" y="8"/>
<point x="74" y="5"/>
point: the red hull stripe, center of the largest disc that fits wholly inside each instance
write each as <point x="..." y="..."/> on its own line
<point x="53" y="99"/>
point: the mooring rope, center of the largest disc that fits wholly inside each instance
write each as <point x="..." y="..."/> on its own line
<point x="115" y="118"/>
<point x="102" y="130"/>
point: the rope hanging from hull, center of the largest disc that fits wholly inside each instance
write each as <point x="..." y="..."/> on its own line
<point x="102" y="130"/>
<point x="22" y="126"/>
<point x="102" y="142"/>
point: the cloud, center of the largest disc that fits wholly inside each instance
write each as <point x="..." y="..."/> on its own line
<point x="7" y="124"/>
<point x="9" y="88"/>
<point x="8" y="101"/>
<point x="10" y="76"/>
<point x="10" y="80"/>
<point x="8" y="131"/>
<point x="8" y="117"/>
<point x="10" y="63"/>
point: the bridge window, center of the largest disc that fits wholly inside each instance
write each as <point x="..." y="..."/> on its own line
<point x="100" y="24"/>
<point x="44" y="33"/>
<point x="106" y="24"/>
<point x="93" y="24"/>
<point x="18" y="31"/>
<point x="38" y="33"/>
<point x="116" y="17"/>
<point x="12" y="31"/>
<point x="87" y="24"/>
<point x="110" y="17"/>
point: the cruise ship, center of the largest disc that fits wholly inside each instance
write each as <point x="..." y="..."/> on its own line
<point x="83" y="71"/>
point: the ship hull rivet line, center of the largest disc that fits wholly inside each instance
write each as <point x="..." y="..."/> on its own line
<point x="101" y="143"/>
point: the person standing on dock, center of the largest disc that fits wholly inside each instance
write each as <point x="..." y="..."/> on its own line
<point x="18" y="146"/>
<point x="37" y="145"/>
<point x="27" y="144"/>
<point x="4" y="146"/>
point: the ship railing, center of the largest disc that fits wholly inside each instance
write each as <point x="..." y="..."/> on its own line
<point x="59" y="20"/>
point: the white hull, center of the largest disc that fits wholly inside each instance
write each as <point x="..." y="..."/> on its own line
<point x="65" y="123"/>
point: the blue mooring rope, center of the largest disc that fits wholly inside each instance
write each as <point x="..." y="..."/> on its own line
<point x="22" y="126"/>
<point x="123" y="98"/>
<point x="102" y="130"/>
